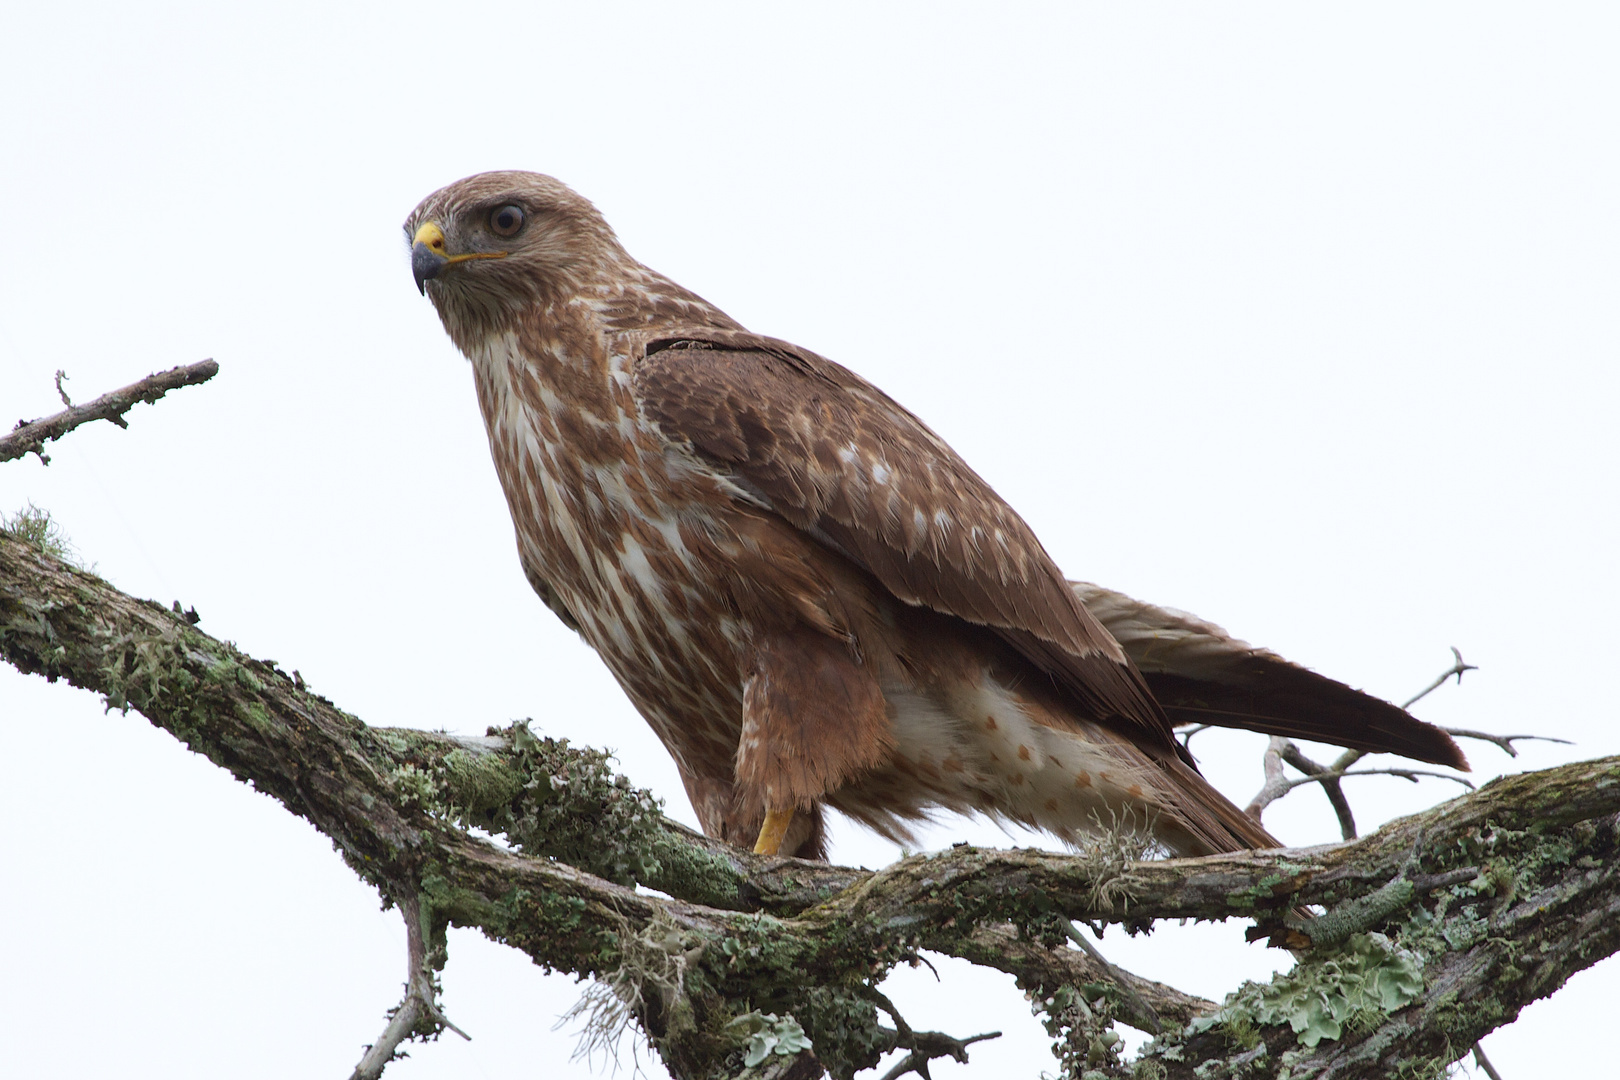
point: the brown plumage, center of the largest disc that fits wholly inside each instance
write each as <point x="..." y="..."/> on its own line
<point x="810" y="597"/>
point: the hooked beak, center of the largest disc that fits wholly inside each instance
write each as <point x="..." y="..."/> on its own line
<point x="429" y="255"/>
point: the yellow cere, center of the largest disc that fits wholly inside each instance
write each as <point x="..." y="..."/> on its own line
<point x="432" y="237"/>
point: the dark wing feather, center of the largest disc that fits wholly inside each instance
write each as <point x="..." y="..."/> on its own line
<point x="839" y="459"/>
<point x="1203" y="675"/>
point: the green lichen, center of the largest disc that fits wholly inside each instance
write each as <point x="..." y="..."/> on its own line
<point x="843" y="1023"/>
<point x="568" y="804"/>
<point x="1264" y="892"/>
<point x="30" y="620"/>
<point x="414" y="787"/>
<point x="481" y="782"/>
<point x="765" y="1034"/>
<point x="1350" y="988"/>
<point x="1080" y="1021"/>
<point x="1359" y="915"/>
<point x="138" y="668"/>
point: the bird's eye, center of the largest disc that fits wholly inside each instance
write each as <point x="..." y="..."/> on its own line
<point x="506" y="221"/>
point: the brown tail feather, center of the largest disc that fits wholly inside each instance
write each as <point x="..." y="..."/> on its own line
<point x="1200" y="674"/>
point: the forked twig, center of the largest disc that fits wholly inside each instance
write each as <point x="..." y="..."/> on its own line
<point x="1502" y="742"/>
<point x="1281" y="750"/>
<point x="418" y="1015"/>
<point x="1186" y="736"/>
<point x="925" y="1046"/>
<point x="1457" y="668"/>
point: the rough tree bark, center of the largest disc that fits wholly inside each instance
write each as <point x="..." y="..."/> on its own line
<point x="1438" y="928"/>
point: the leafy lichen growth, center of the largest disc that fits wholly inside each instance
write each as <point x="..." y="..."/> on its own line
<point x="565" y="803"/>
<point x="1080" y="1021"/>
<point x="1351" y="987"/>
<point x="844" y="1026"/>
<point x="766" y="1034"/>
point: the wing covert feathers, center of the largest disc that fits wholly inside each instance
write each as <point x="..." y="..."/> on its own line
<point x="840" y="460"/>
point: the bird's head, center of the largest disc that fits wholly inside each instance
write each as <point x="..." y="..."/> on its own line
<point x="487" y="246"/>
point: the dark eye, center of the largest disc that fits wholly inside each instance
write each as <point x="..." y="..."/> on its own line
<point x="506" y="221"/>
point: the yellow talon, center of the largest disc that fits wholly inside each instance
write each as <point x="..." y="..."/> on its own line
<point x="771" y="833"/>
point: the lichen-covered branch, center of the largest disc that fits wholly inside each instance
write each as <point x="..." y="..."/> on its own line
<point x="30" y="437"/>
<point x="1438" y="927"/>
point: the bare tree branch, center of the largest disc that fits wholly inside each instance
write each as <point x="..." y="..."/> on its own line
<point x="1330" y="784"/>
<point x="30" y="437"/>
<point x="418" y="1015"/>
<point x="1281" y="750"/>
<point x="1503" y="742"/>
<point x="1457" y="668"/>
<point x="1485" y="1063"/>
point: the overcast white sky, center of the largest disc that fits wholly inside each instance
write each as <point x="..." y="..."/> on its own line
<point x="1300" y="319"/>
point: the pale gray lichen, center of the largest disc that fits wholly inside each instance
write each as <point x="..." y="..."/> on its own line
<point x="766" y="1034"/>
<point x="1351" y="987"/>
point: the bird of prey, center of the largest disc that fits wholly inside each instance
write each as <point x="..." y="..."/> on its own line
<point x="810" y="597"/>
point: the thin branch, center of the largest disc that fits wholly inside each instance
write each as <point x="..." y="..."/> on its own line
<point x="30" y="437"/>
<point x="1281" y="750"/>
<point x="1457" y="668"/>
<point x="1186" y="736"/>
<point x="1404" y="774"/>
<point x="1041" y="969"/>
<point x="418" y="1015"/>
<point x="925" y="1046"/>
<point x="1485" y="1063"/>
<point x="1143" y="1018"/>
<point x="1276" y="783"/>
<point x="1505" y="742"/>
<point x="928" y="1045"/>
<point x="1330" y="784"/>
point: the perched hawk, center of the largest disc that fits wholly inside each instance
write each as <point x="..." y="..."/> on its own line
<point x="810" y="597"/>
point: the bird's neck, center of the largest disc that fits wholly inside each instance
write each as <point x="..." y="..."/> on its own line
<point x="637" y="298"/>
<point x="570" y="356"/>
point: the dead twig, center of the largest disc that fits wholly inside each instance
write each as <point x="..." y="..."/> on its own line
<point x="30" y="436"/>
<point x="1330" y="784"/>
<point x="1503" y="742"/>
<point x="1186" y="736"/>
<point x="1485" y="1063"/>
<point x="1404" y="774"/>
<point x="1276" y="784"/>
<point x="1457" y="668"/>
<point x="925" y="1046"/>
<point x="928" y="1045"/>
<point x="1281" y="750"/>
